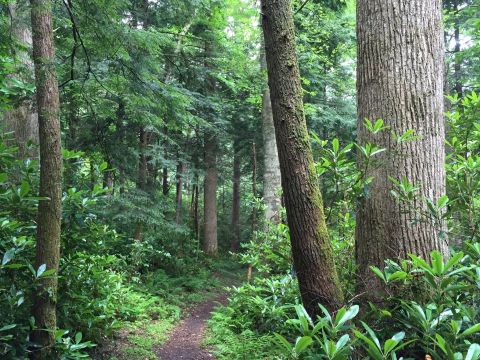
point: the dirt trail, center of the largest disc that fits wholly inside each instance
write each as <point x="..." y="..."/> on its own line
<point x="184" y="342"/>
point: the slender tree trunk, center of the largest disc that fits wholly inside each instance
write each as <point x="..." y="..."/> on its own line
<point x="165" y="187"/>
<point x="210" y="241"/>
<point x="272" y="181"/>
<point x="254" y="187"/>
<point x="23" y="119"/>
<point x="311" y="247"/>
<point x="196" y="222"/>
<point x="235" y="239"/>
<point x="178" y="195"/>
<point x="49" y="211"/>
<point x="142" y="175"/>
<point x="457" y="69"/>
<point x="210" y="246"/>
<point x="400" y="80"/>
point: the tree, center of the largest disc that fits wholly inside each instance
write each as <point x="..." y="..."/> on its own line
<point x="271" y="171"/>
<point x="311" y="247"/>
<point x="22" y="120"/>
<point x="235" y="237"/>
<point x="400" y="80"/>
<point x="210" y="245"/>
<point x="49" y="209"/>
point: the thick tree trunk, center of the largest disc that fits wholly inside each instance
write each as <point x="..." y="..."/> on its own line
<point x="311" y="247"/>
<point x="23" y="119"/>
<point x="49" y="211"/>
<point x="400" y="80"/>
<point x="272" y="181"/>
<point x="210" y="246"/>
<point x="178" y="194"/>
<point x="235" y="239"/>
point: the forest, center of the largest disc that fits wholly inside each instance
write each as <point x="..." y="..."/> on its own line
<point x="240" y="179"/>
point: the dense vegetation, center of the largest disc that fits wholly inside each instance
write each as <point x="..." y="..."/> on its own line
<point x="147" y="164"/>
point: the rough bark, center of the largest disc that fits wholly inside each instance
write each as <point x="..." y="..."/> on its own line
<point x="400" y="80"/>
<point x="271" y="175"/>
<point x="311" y="247"/>
<point x="49" y="211"/>
<point x="23" y="119"/>
<point x="235" y="239"/>
<point x="210" y="246"/>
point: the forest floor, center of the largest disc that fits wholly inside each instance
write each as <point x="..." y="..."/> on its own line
<point x="180" y="338"/>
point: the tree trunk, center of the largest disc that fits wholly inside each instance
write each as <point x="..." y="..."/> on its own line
<point x="49" y="211"/>
<point x="210" y="246"/>
<point x="311" y="247"/>
<point x="271" y="175"/>
<point x="400" y="80"/>
<point x="254" y="187"/>
<point x="142" y="174"/>
<point x="457" y="73"/>
<point x="23" y="119"/>
<point x="235" y="239"/>
<point x="178" y="195"/>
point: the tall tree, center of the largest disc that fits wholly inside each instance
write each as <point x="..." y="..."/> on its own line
<point x="22" y="120"/>
<point x="210" y="241"/>
<point x="271" y="172"/>
<point x="179" y="192"/>
<point x="210" y="245"/>
<point x="400" y="80"/>
<point x="311" y="247"/>
<point x="49" y="208"/>
<point x="235" y="239"/>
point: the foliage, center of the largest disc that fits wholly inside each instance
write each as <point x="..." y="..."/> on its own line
<point x="445" y="325"/>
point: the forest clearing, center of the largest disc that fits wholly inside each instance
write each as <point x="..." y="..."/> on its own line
<point x="240" y="179"/>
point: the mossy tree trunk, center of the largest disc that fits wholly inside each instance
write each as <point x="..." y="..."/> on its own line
<point x="49" y="210"/>
<point x="311" y="247"/>
<point x="400" y="80"/>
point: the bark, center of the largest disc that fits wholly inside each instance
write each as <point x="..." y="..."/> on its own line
<point x="196" y="222"/>
<point x="210" y="246"/>
<point x="400" y="80"/>
<point x="23" y="119"/>
<point x="254" y="187"/>
<point x="142" y="174"/>
<point x="178" y="195"/>
<point x="235" y="239"/>
<point x="271" y="176"/>
<point x="458" y="63"/>
<point x="311" y="247"/>
<point x="49" y="211"/>
<point x="210" y="241"/>
<point x="165" y="187"/>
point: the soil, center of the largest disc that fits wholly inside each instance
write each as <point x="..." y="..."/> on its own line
<point x="184" y="342"/>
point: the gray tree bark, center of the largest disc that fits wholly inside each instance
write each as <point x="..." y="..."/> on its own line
<point x="271" y="175"/>
<point x="400" y="80"/>
<point x="311" y="247"/>
<point x="49" y="211"/>
<point x="23" y="119"/>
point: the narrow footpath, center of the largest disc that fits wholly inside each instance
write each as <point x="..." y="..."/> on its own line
<point x="184" y="342"/>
